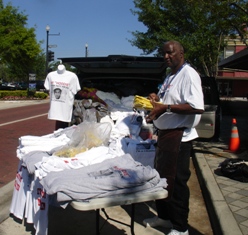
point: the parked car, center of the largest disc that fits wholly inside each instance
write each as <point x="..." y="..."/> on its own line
<point x="3" y="86"/>
<point x="137" y="75"/>
<point x="209" y="126"/>
<point x="8" y="86"/>
<point x="40" y="85"/>
<point x="22" y="85"/>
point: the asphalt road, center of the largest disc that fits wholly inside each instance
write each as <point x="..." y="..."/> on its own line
<point x="14" y="123"/>
<point x="32" y="120"/>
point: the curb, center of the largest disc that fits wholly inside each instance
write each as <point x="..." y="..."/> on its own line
<point x="220" y="215"/>
<point x="6" y="197"/>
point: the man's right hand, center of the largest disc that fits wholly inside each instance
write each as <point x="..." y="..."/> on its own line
<point x="153" y="97"/>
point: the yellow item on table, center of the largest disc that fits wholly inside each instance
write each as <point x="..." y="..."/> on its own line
<point x="70" y="152"/>
<point x="142" y="103"/>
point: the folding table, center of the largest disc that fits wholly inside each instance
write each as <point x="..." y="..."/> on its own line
<point x="118" y="200"/>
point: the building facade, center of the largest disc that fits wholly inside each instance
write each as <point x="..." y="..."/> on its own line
<point x="232" y="76"/>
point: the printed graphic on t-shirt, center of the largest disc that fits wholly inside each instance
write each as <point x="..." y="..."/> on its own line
<point x="101" y="173"/>
<point x="57" y="93"/>
<point x="60" y="90"/>
<point x="111" y="172"/>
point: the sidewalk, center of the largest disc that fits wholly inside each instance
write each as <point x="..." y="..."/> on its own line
<point x="7" y="104"/>
<point x="226" y="199"/>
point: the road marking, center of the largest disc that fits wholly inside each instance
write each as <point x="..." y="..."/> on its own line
<point x="24" y="119"/>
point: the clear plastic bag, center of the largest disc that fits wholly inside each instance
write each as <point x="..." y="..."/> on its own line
<point x="86" y="136"/>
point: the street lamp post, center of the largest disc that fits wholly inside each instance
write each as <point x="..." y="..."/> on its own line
<point x="86" y="50"/>
<point x="47" y="46"/>
<point x="47" y="30"/>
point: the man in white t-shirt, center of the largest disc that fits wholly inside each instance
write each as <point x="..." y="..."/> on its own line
<point x="177" y="109"/>
<point x="62" y="86"/>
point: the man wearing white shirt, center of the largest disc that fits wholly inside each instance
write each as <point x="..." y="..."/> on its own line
<point x="177" y="109"/>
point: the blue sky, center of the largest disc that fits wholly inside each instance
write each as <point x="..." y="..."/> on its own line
<point x="105" y="25"/>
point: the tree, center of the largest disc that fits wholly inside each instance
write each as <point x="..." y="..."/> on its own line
<point x="201" y="26"/>
<point x="19" y="49"/>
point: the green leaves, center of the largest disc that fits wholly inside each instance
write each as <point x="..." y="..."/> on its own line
<point x="19" y="49"/>
<point x="201" y="26"/>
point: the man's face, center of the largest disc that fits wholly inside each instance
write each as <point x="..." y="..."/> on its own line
<point x="173" y="55"/>
<point x="57" y="94"/>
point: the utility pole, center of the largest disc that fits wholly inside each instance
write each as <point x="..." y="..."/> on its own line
<point x="86" y="50"/>
<point x="47" y="46"/>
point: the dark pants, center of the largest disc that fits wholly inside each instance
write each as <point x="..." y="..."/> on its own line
<point x="60" y="124"/>
<point x="175" y="168"/>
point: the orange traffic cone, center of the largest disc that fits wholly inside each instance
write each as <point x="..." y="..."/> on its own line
<point x="234" y="139"/>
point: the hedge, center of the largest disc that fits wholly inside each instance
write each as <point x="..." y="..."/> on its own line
<point x="20" y="94"/>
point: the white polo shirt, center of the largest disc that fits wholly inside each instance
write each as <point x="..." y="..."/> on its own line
<point x="181" y="88"/>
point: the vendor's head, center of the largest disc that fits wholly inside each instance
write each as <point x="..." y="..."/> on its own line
<point x="173" y="55"/>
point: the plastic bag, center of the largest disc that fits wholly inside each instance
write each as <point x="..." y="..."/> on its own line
<point x="236" y="169"/>
<point x="86" y="136"/>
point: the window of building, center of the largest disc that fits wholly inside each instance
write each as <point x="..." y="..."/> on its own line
<point x="229" y="50"/>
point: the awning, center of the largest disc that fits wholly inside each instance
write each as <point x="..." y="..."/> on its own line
<point x="236" y="61"/>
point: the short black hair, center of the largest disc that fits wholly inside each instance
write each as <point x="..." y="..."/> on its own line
<point x="57" y="89"/>
<point x="177" y="44"/>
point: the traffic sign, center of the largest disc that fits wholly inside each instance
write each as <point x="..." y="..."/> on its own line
<point x="52" y="46"/>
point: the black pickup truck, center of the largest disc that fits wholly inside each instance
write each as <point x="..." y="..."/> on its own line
<point x="138" y="75"/>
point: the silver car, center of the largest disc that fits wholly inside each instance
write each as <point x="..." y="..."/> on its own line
<point x="209" y="126"/>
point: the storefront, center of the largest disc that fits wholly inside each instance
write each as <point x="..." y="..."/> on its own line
<point x="233" y="75"/>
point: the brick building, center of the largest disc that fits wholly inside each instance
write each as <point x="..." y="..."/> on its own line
<point x="232" y="76"/>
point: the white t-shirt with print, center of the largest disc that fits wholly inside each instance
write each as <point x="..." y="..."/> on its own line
<point x="62" y="88"/>
<point x="184" y="87"/>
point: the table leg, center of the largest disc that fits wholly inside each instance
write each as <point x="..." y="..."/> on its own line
<point x="97" y="221"/>
<point x="132" y="218"/>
